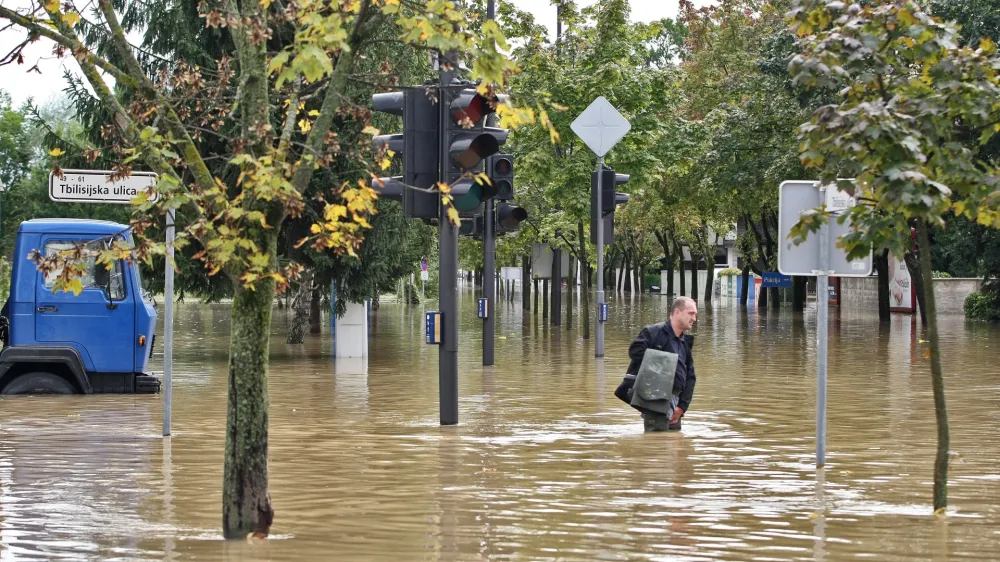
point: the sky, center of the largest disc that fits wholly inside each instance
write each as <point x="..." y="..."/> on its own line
<point x="48" y="85"/>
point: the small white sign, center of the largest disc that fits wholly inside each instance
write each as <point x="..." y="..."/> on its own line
<point x="424" y="276"/>
<point x="600" y="126"/>
<point x="93" y="186"/>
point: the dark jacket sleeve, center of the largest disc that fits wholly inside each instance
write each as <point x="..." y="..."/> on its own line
<point x="684" y="400"/>
<point x="637" y="349"/>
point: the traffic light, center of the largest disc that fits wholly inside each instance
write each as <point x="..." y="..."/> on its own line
<point x="469" y="143"/>
<point x="610" y="199"/>
<point x="472" y="226"/>
<point x="509" y="217"/>
<point x="500" y="169"/>
<point x="419" y="145"/>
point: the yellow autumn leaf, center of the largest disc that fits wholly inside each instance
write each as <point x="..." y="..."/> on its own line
<point x="453" y="216"/>
<point x="56" y="152"/>
<point x="305" y="125"/>
<point x="52" y="6"/>
<point x="369" y="130"/>
<point x="71" y="18"/>
<point x="313" y="113"/>
<point x="265" y="4"/>
<point x="444" y="187"/>
<point x="315" y="229"/>
<point x="76" y="286"/>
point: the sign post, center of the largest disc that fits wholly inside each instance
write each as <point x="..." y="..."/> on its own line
<point x="600" y="127"/>
<point x="821" y="258"/>
<point x="97" y="186"/>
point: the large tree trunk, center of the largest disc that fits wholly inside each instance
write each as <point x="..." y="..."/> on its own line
<point x="300" y="310"/>
<point x="882" y="265"/>
<point x="570" y="291"/>
<point x="315" y="325"/>
<point x="799" y="293"/>
<point x="694" y="276"/>
<point x="745" y="279"/>
<point x="585" y="281"/>
<point x="246" y="503"/>
<point x="762" y="299"/>
<point x="709" y="283"/>
<point x="670" y="282"/>
<point x="912" y="260"/>
<point x="937" y="377"/>
<point x="545" y="298"/>
<point x="526" y="284"/>
<point x="775" y="298"/>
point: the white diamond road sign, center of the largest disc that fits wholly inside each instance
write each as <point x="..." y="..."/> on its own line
<point x="94" y="186"/>
<point x="600" y="126"/>
<point x="797" y="197"/>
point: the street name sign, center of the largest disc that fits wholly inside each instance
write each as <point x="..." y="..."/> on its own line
<point x="95" y="186"/>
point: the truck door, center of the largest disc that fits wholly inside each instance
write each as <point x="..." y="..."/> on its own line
<point x="101" y="328"/>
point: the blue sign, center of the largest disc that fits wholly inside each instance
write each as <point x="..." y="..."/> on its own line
<point x="484" y="308"/>
<point x="432" y="327"/>
<point x="775" y="279"/>
<point x="603" y="316"/>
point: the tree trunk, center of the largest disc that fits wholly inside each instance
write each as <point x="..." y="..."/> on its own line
<point x="694" y="276"/>
<point x="300" y="310"/>
<point x="570" y="291"/>
<point x="526" y="283"/>
<point x="545" y="298"/>
<point x="745" y="279"/>
<point x="535" y="281"/>
<point x="937" y="377"/>
<point x="762" y="299"/>
<point x="912" y="260"/>
<point x="246" y="503"/>
<point x="775" y="297"/>
<point x="584" y="281"/>
<point x="683" y="286"/>
<point x="670" y="282"/>
<point x="709" y="284"/>
<point x="799" y="293"/>
<point x="882" y="265"/>
<point x="315" y="325"/>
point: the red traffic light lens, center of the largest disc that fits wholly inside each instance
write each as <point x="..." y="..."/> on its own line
<point x="502" y="166"/>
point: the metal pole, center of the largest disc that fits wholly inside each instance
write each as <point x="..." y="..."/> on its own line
<point x="447" y="283"/>
<point x="822" y="335"/>
<point x="168" y="327"/>
<point x="489" y="282"/>
<point x="599" y="326"/>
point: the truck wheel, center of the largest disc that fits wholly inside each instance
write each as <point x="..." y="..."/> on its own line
<point x="39" y="383"/>
<point x="145" y="384"/>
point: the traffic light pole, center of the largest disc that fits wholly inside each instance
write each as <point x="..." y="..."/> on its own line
<point x="447" y="284"/>
<point x="489" y="279"/>
<point x="599" y="326"/>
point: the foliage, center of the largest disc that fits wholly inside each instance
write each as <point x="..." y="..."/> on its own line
<point x="729" y="272"/>
<point x="982" y="306"/>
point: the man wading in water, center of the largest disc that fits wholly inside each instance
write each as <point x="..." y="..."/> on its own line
<point x="667" y="336"/>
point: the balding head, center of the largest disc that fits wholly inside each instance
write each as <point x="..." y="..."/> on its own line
<point x="683" y="314"/>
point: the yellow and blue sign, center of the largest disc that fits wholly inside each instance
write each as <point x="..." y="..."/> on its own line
<point x="483" y="311"/>
<point x="432" y="327"/>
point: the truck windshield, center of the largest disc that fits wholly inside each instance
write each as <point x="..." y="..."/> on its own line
<point x="146" y="295"/>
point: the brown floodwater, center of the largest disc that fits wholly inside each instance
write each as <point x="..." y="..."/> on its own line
<point x="545" y="464"/>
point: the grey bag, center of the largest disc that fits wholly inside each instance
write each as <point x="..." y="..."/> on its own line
<point x="654" y="383"/>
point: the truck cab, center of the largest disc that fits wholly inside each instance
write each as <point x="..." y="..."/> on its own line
<point x="99" y="341"/>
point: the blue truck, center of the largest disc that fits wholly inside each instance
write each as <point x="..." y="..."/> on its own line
<point x="55" y="342"/>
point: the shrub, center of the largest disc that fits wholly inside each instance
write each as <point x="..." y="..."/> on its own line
<point x="729" y="272"/>
<point x="941" y="275"/>
<point x="982" y="306"/>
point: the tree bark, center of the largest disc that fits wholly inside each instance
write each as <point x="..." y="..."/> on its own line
<point x="775" y="297"/>
<point x="680" y="268"/>
<point x="799" y="293"/>
<point x="912" y="260"/>
<point x="709" y="284"/>
<point x="882" y="265"/>
<point x="300" y="310"/>
<point x="545" y="298"/>
<point x="535" y="282"/>
<point x="937" y="377"/>
<point x="570" y="291"/>
<point x="315" y="324"/>
<point x="745" y="279"/>
<point x="694" y="276"/>
<point x="762" y="299"/>
<point x="246" y="503"/>
<point x="526" y="283"/>
<point x="585" y="280"/>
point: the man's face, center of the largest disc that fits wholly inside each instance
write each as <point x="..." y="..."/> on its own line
<point x="686" y="317"/>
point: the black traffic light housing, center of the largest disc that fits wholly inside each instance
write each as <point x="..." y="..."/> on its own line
<point x="610" y="199"/>
<point x="419" y="144"/>
<point x="468" y="143"/>
<point x="509" y="217"/>
<point x="500" y="169"/>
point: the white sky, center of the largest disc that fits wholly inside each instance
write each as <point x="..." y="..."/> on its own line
<point x="48" y="85"/>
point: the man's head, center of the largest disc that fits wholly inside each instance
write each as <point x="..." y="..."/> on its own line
<point x="683" y="314"/>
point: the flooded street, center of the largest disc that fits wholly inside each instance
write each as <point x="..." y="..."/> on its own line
<point x="545" y="464"/>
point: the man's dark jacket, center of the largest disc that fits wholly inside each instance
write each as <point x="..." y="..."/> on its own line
<point x="661" y="336"/>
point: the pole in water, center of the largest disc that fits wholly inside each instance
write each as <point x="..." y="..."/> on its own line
<point x="168" y="326"/>
<point x="598" y="325"/>
<point x="822" y="336"/>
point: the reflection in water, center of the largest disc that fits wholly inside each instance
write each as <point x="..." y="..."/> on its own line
<point x="545" y="464"/>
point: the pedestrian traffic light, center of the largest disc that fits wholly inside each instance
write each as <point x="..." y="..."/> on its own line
<point x="472" y="226"/>
<point x="610" y="199"/>
<point x="469" y="143"/>
<point x="509" y="217"/>
<point x="419" y="146"/>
